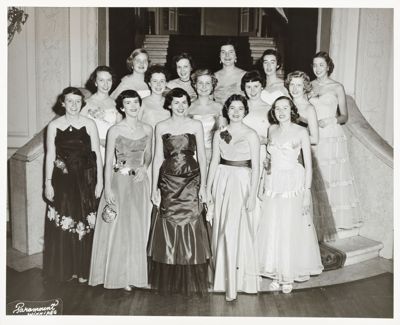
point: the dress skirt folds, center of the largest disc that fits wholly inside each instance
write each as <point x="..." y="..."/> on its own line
<point x="233" y="241"/>
<point x="179" y="247"/>
<point x="119" y="256"/>
<point x="72" y="215"/>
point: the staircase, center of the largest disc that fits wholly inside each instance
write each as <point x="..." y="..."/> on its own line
<point x="157" y="47"/>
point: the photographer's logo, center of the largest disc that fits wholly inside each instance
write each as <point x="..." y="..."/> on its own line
<point x="48" y="307"/>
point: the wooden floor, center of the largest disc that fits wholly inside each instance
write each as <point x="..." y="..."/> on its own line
<point x="371" y="297"/>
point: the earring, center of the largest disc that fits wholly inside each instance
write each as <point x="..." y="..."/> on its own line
<point x="220" y="62"/>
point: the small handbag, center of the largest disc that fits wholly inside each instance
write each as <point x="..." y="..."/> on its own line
<point x="109" y="213"/>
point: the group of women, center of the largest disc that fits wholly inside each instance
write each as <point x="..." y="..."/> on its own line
<point x="211" y="181"/>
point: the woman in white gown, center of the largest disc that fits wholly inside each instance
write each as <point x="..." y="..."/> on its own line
<point x="100" y="106"/>
<point x="329" y="99"/>
<point x="137" y="63"/>
<point x="231" y="191"/>
<point x="271" y="62"/>
<point x="204" y="109"/>
<point x="288" y="248"/>
<point x="229" y="76"/>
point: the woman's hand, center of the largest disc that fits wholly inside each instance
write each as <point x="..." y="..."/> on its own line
<point x="202" y="194"/>
<point x="251" y="203"/>
<point x="49" y="191"/>
<point x="306" y="201"/>
<point x="140" y="174"/>
<point x="156" y="197"/>
<point x="109" y="196"/>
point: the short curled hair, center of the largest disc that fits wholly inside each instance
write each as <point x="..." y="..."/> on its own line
<point x="274" y="53"/>
<point x="155" y="68"/>
<point x="91" y="83"/>
<point x="181" y="56"/>
<point x="130" y="93"/>
<point x="302" y="75"/>
<point x="134" y="54"/>
<point x="228" y="102"/>
<point x="328" y="60"/>
<point x="177" y="93"/>
<point x="204" y="72"/>
<point x="251" y="76"/>
<point x="294" y="114"/>
<point x="59" y="108"/>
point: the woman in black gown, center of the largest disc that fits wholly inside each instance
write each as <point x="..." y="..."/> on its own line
<point x="73" y="185"/>
<point x="179" y="247"/>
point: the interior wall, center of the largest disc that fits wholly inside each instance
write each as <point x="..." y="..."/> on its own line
<point x="221" y="21"/>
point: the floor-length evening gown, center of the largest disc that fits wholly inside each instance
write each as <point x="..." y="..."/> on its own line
<point x="119" y="254"/>
<point x="179" y="248"/>
<point x="287" y="242"/>
<point x="332" y="157"/>
<point x="72" y="215"/>
<point x="233" y="239"/>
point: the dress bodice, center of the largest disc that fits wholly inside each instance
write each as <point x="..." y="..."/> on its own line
<point x="73" y="147"/>
<point x="130" y="152"/>
<point x="179" y="153"/>
<point x="238" y="150"/>
<point x="187" y="86"/>
<point x="325" y="105"/>
<point x="153" y="116"/>
<point x="271" y="94"/>
<point x="284" y="156"/>
<point x="210" y="125"/>
<point x="126" y="83"/>
<point x="223" y="92"/>
<point x="103" y="112"/>
<point x="257" y="119"/>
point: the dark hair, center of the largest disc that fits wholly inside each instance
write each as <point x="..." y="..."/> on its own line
<point x="177" y="93"/>
<point x="181" y="56"/>
<point x="126" y="94"/>
<point x="274" y="53"/>
<point x="58" y="107"/>
<point x="134" y="54"/>
<point x="302" y="75"/>
<point x="91" y="83"/>
<point x="204" y="72"/>
<point x="294" y="115"/>
<point x="327" y="59"/>
<point x="228" y="102"/>
<point x="251" y="76"/>
<point x="155" y="68"/>
<point x="228" y="42"/>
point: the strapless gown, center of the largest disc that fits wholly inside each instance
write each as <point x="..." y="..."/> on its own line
<point x="179" y="247"/>
<point x="233" y="239"/>
<point x="287" y="241"/>
<point x="119" y="254"/>
<point x="187" y="86"/>
<point x="104" y="114"/>
<point x="270" y="95"/>
<point x="71" y="217"/>
<point x="127" y="83"/>
<point x="332" y="158"/>
<point x="210" y="125"/>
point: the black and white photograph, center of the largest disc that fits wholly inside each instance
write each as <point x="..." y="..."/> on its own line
<point x="200" y="161"/>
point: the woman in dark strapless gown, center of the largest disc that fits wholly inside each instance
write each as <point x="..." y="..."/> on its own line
<point x="73" y="185"/>
<point x="179" y="246"/>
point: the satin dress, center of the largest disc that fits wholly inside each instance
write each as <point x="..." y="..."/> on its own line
<point x="233" y="238"/>
<point x="179" y="247"/>
<point x="287" y="243"/>
<point x="71" y="217"/>
<point x="332" y="157"/>
<point x="119" y="257"/>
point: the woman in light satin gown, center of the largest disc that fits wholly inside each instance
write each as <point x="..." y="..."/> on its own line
<point x="288" y="248"/>
<point x="231" y="194"/>
<point x="329" y="99"/>
<point x="119" y="258"/>
<point x="136" y="63"/>
<point x="229" y="76"/>
<point x="204" y="109"/>
<point x="271" y="62"/>
<point x="100" y="107"/>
